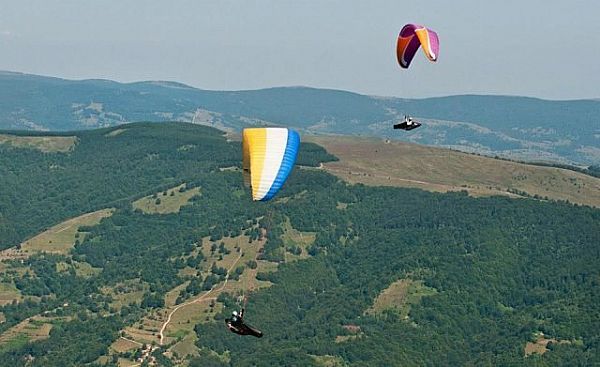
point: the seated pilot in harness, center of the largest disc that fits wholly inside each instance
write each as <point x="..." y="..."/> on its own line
<point x="236" y="325"/>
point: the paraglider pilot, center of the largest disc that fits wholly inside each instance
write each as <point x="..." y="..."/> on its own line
<point x="408" y="124"/>
<point x="236" y="318"/>
<point x="236" y="325"/>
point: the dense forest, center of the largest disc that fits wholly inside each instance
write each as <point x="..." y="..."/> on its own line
<point x="503" y="269"/>
<point x="500" y="270"/>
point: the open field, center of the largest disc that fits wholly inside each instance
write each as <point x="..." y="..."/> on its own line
<point x="46" y="144"/>
<point x="8" y="293"/>
<point x="8" y="290"/>
<point x="115" y="133"/>
<point x="329" y="361"/>
<point x="122" y="362"/>
<point x="171" y="296"/>
<point x="145" y="331"/>
<point x="399" y="296"/>
<point x="186" y="347"/>
<point x="345" y="338"/>
<point x="247" y="280"/>
<point x="375" y="162"/>
<point x="31" y="329"/>
<point x="123" y="345"/>
<point x="58" y="239"/>
<point x="183" y="321"/>
<point x="540" y="345"/>
<point x="126" y="293"/>
<point x="169" y="203"/>
<point x="82" y="269"/>
<point x="294" y="239"/>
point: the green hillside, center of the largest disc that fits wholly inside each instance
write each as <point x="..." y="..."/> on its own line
<point x="483" y="276"/>
<point x="375" y="162"/>
<point x="514" y="127"/>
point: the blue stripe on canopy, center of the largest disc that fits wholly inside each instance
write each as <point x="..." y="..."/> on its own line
<point x="287" y="163"/>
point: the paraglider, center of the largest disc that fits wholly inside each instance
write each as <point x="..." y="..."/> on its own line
<point x="269" y="155"/>
<point x="236" y="325"/>
<point x="410" y="38"/>
<point x="408" y="124"/>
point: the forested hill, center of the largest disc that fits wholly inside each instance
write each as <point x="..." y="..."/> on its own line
<point x="514" y="127"/>
<point x="335" y="274"/>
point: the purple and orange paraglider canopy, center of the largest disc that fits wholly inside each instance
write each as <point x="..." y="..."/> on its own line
<point x="411" y="37"/>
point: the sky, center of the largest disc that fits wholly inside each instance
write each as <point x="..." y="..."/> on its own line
<point x="541" y="48"/>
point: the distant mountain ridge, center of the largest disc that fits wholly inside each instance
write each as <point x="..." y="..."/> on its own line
<point x="515" y="127"/>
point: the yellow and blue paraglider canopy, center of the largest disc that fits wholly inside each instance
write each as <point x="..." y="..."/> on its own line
<point x="269" y="155"/>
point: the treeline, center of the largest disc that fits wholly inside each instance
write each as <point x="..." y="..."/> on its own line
<point x="593" y="170"/>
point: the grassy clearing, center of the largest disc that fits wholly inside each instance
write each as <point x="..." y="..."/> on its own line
<point x="234" y="246"/>
<point x="46" y="144"/>
<point x="125" y="299"/>
<point x="248" y="281"/>
<point x="8" y="293"/>
<point x="329" y="361"/>
<point x="171" y="296"/>
<point x="59" y="239"/>
<point x="17" y="341"/>
<point x="249" y="252"/>
<point x="31" y="329"/>
<point x="186" y="347"/>
<point x="8" y="290"/>
<point x="345" y="338"/>
<point x="179" y="334"/>
<point x="122" y="362"/>
<point x="341" y="206"/>
<point x="82" y="269"/>
<point x="146" y="331"/>
<point x="183" y="321"/>
<point x="399" y="296"/>
<point x="125" y="293"/>
<point x="115" y="133"/>
<point x="293" y="240"/>
<point x="352" y="332"/>
<point x="373" y="162"/>
<point x="123" y="345"/>
<point x="169" y="203"/>
<point x="540" y="345"/>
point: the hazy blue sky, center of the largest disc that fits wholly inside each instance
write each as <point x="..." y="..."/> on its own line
<point x="543" y="48"/>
